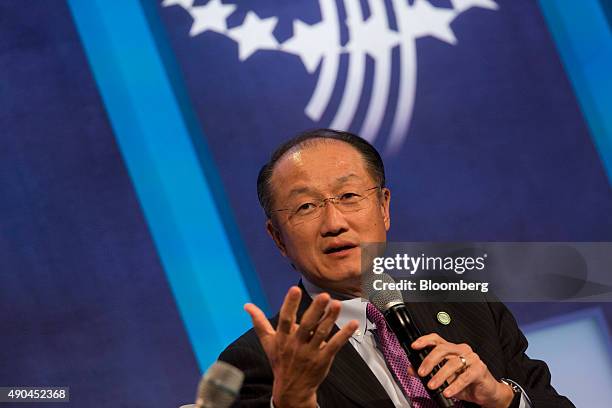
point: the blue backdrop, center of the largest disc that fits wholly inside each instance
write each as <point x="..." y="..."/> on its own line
<point x="133" y="132"/>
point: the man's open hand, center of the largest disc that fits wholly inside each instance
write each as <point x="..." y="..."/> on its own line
<point x="299" y="355"/>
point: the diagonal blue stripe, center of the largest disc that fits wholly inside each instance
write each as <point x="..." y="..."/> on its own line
<point x="206" y="161"/>
<point x="165" y="168"/>
<point x="583" y="37"/>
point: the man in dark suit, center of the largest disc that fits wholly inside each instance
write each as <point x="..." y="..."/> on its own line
<point x="324" y="194"/>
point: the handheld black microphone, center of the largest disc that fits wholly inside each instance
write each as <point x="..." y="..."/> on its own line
<point x="391" y="304"/>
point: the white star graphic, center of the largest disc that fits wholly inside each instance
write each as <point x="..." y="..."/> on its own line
<point x="372" y="36"/>
<point x="186" y="4"/>
<point x="210" y="17"/>
<point x="310" y="43"/>
<point x="423" y="19"/>
<point x="462" y="5"/>
<point x="319" y="48"/>
<point x="254" y="34"/>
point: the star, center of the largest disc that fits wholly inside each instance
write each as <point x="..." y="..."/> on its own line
<point x="254" y="34"/>
<point x="311" y="43"/>
<point x="210" y="17"/>
<point x="423" y="19"/>
<point x="372" y="36"/>
<point x="461" y="5"/>
<point x="186" y="4"/>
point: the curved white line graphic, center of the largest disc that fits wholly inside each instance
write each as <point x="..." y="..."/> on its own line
<point x="407" y="83"/>
<point x="329" y="65"/>
<point x="380" y="87"/>
<point x="356" y="71"/>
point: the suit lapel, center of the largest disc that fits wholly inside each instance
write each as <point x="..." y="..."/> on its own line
<point x="424" y="315"/>
<point x="349" y="374"/>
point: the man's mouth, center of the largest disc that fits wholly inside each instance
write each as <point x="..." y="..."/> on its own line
<point x="338" y="249"/>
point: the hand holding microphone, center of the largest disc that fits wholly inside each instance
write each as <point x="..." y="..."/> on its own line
<point x="446" y="369"/>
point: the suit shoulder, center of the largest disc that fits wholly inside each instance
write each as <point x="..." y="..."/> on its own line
<point x="247" y="343"/>
<point x="248" y="340"/>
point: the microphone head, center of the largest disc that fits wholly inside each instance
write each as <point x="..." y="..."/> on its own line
<point x="384" y="299"/>
<point x="219" y="386"/>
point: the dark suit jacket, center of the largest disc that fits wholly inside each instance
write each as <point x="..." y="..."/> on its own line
<point x="488" y="327"/>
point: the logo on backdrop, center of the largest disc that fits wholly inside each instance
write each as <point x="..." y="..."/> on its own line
<point x="319" y="47"/>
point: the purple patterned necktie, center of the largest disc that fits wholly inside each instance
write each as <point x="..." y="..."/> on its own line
<point x="397" y="361"/>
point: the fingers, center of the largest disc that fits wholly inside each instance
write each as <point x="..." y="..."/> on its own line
<point x="286" y="316"/>
<point x="436" y="356"/>
<point x="447" y="356"/>
<point x="326" y="324"/>
<point x="452" y="368"/>
<point x="262" y="326"/>
<point x="476" y="373"/>
<point x="314" y="328"/>
<point x="311" y="317"/>
<point x="429" y="340"/>
<point x="340" y="338"/>
<point x="441" y="352"/>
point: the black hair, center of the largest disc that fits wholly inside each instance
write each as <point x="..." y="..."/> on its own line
<point x="374" y="163"/>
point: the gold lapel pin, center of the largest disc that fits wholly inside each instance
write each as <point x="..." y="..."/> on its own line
<point x="443" y="318"/>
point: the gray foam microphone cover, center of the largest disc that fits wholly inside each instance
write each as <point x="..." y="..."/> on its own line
<point x="384" y="299"/>
<point x="219" y="386"/>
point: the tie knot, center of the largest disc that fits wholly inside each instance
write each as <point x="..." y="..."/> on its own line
<point x="375" y="316"/>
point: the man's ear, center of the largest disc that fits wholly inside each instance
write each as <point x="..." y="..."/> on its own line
<point x="385" y="204"/>
<point x="275" y="234"/>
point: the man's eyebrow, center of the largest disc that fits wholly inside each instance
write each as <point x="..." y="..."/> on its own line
<point x="339" y="180"/>
<point x="346" y="178"/>
<point x="299" y="190"/>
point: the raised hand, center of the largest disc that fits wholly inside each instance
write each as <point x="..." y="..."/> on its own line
<point x="300" y="354"/>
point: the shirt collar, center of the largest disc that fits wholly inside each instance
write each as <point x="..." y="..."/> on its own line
<point x="352" y="309"/>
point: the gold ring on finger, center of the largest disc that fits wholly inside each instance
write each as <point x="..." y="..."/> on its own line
<point x="464" y="365"/>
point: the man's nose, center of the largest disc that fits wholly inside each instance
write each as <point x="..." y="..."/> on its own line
<point x="333" y="221"/>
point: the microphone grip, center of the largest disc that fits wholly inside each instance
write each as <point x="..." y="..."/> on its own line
<point x="401" y="323"/>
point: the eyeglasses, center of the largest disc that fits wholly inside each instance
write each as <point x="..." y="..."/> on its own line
<point x="346" y="202"/>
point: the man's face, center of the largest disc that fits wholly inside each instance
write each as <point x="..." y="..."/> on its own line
<point x="326" y="249"/>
